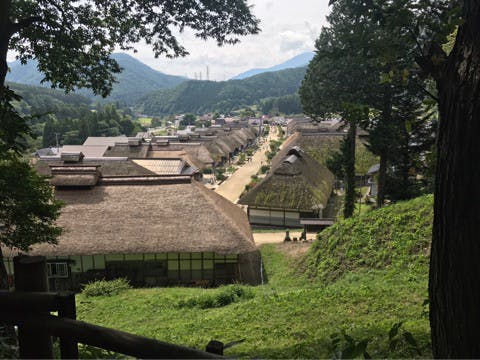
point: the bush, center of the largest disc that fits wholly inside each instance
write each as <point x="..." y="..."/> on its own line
<point x="106" y="287"/>
<point x="223" y="296"/>
<point x="207" y="171"/>
<point x="264" y="169"/>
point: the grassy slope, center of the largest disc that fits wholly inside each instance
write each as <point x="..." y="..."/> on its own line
<point x="293" y="315"/>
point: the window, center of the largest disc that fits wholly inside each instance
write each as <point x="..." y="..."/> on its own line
<point x="57" y="270"/>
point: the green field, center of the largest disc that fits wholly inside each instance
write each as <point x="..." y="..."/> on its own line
<point x="355" y="279"/>
<point x="145" y="121"/>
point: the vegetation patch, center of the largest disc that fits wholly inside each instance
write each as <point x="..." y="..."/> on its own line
<point x="296" y="313"/>
<point x="106" y="287"/>
<point x="224" y="296"/>
<point x="395" y="236"/>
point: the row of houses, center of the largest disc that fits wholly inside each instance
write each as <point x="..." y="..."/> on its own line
<point x="204" y="148"/>
<point x="153" y="224"/>
<point x="134" y="208"/>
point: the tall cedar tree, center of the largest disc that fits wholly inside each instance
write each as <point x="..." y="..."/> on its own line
<point x="454" y="269"/>
<point x="454" y="290"/>
<point x="335" y="84"/>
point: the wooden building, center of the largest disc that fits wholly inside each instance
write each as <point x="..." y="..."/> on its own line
<point x="298" y="187"/>
<point x="154" y="229"/>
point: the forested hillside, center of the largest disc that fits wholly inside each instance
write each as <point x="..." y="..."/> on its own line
<point x="69" y="117"/>
<point x="135" y="80"/>
<point x="224" y="96"/>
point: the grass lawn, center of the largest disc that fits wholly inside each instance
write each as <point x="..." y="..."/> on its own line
<point x="145" y="121"/>
<point x="291" y="316"/>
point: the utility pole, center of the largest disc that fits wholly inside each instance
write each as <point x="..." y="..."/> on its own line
<point x="56" y="138"/>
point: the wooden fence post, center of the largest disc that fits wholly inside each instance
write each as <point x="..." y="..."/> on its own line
<point x="67" y="309"/>
<point x="31" y="275"/>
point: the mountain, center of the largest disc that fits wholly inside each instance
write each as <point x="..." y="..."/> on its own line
<point x="297" y="61"/>
<point x="135" y="81"/>
<point x="223" y="96"/>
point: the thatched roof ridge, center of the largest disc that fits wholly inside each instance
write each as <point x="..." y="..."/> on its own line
<point x="318" y="146"/>
<point x="296" y="183"/>
<point x="135" y="219"/>
<point x="106" y="167"/>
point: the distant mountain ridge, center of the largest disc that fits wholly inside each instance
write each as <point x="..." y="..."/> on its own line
<point x="223" y="96"/>
<point x="297" y="61"/>
<point x="135" y="81"/>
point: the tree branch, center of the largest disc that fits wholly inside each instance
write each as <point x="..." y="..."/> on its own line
<point x="24" y="23"/>
<point x="433" y="61"/>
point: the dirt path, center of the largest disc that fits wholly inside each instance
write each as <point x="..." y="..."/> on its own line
<point x="278" y="237"/>
<point x="233" y="187"/>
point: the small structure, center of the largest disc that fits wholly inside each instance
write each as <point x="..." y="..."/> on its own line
<point x="371" y="179"/>
<point x="297" y="188"/>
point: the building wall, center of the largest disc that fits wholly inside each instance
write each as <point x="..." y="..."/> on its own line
<point x="274" y="217"/>
<point x="147" y="269"/>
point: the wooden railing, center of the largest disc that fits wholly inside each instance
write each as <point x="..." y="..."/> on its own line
<point x="29" y="307"/>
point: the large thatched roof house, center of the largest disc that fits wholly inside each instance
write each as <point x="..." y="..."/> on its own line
<point x="297" y="187"/>
<point x="153" y="228"/>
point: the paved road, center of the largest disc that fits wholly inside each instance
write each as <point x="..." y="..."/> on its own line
<point x="233" y="187"/>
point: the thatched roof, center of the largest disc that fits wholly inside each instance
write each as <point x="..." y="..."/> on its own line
<point x="105" y="140"/>
<point x="194" y="153"/>
<point x="129" y="219"/>
<point x="298" y="182"/>
<point x="106" y="167"/>
<point x="166" y="166"/>
<point x="319" y="146"/>
<point x="129" y="151"/>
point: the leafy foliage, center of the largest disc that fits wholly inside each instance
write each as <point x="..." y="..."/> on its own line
<point x="106" y="287"/>
<point x="224" y="296"/>
<point x="28" y="208"/>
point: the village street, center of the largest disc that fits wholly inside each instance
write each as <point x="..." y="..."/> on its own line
<point x="233" y="187"/>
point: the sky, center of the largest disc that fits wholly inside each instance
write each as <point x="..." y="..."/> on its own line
<point x="288" y="28"/>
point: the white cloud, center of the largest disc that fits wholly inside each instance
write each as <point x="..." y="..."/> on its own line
<point x="288" y="28"/>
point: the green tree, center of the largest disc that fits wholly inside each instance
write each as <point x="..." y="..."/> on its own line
<point x="188" y="119"/>
<point x="339" y="82"/>
<point x="49" y="130"/>
<point x="28" y="208"/>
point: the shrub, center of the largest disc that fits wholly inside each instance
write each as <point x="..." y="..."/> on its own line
<point x="220" y="177"/>
<point x="264" y="169"/>
<point x="207" y="171"/>
<point x="106" y="287"/>
<point x="223" y="296"/>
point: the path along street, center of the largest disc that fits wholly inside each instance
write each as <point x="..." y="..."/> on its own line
<point x="233" y="187"/>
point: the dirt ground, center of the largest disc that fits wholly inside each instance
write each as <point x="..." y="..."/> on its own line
<point x="233" y="187"/>
<point x="278" y="237"/>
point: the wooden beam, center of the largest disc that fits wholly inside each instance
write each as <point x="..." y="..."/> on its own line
<point x="31" y="275"/>
<point x="105" y="338"/>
